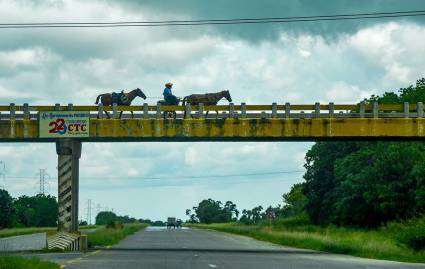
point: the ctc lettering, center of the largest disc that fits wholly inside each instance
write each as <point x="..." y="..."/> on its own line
<point x="59" y="127"/>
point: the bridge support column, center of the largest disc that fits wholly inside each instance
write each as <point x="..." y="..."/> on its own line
<point x="69" y="153"/>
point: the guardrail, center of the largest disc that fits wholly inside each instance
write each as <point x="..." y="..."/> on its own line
<point x="287" y="110"/>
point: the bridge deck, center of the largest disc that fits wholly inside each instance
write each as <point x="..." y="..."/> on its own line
<point x="233" y="123"/>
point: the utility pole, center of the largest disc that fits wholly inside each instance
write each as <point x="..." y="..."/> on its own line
<point x="42" y="181"/>
<point x="89" y="209"/>
<point x="3" y="175"/>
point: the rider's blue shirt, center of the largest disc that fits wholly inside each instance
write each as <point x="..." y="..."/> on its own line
<point x="167" y="92"/>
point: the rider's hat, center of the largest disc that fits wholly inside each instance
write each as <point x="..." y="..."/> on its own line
<point x="169" y="84"/>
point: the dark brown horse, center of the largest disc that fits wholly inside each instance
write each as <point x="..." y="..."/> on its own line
<point x="106" y="99"/>
<point x="208" y="99"/>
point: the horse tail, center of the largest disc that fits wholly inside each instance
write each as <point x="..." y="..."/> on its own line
<point x="97" y="99"/>
<point x="184" y="101"/>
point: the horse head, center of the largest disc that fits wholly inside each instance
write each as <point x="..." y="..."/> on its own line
<point x="227" y="96"/>
<point x="140" y="93"/>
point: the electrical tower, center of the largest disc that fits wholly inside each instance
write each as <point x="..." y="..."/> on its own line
<point x="2" y="175"/>
<point x="89" y="211"/>
<point x="42" y="181"/>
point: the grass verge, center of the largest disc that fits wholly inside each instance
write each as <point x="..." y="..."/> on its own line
<point x="23" y="231"/>
<point x="106" y="236"/>
<point x="15" y="262"/>
<point x="34" y="230"/>
<point x="375" y="244"/>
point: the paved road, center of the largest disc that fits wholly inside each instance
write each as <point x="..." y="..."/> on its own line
<point x="23" y="242"/>
<point x="188" y="248"/>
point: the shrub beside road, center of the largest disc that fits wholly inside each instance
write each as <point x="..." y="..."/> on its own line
<point x="395" y="241"/>
<point x="109" y="236"/>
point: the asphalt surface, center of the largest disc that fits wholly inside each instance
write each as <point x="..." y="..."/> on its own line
<point x="190" y="248"/>
<point x="23" y="242"/>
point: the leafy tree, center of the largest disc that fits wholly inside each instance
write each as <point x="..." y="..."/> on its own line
<point x="6" y="209"/>
<point x="380" y="182"/>
<point x="367" y="183"/>
<point x="253" y="216"/>
<point x="105" y="217"/>
<point x="295" y="201"/>
<point x="211" y="211"/>
<point x="36" y="211"/>
<point x="192" y="216"/>
<point x="320" y="183"/>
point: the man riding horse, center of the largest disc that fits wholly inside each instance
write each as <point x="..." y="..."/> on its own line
<point x="168" y="95"/>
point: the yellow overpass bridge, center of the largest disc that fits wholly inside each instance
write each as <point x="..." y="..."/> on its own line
<point x="70" y="125"/>
<point x="232" y="123"/>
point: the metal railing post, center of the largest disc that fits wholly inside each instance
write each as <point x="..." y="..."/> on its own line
<point x="317" y="110"/>
<point x="100" y="111"/>
<point x="231" y="110"/>
<point x="12" y="111"/>
<point x="362" y="109"/>
<point x="287" y="110"/>
<point x="406" y="109"/>
<point x="375" y="109"/>
<point x="145" y="110"/>
<point x="420" y="108"/>
<point x="201" y="110"/>
<point x="274" y="110"/>
<point x="115" y="110"/>
<point x="188" y="111"/>
<point x="243" y="110"/>
<point x="331" y="110"/>
<point x="27" y="115"/>
<point x="158" y="111"/>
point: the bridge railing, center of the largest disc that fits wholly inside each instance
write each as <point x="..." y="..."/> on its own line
<point x="287" y="110"/>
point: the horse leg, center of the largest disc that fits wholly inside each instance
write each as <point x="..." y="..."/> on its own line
<point x="107" y="114"/>
<point x="216" y="112"/>
<point x="120" y="114"/>
<point x="206" y="115"/>
<point x="132" y="115"/>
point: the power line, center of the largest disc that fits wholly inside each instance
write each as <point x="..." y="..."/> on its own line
<point x="186" y="176"/>
<point x="356" y="16"/>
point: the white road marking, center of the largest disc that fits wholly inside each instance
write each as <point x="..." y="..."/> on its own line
<point x="212" y="265"/>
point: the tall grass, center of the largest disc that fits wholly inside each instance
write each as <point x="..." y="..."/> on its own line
<point x="15" y="262"/>
<point x="383" y="243"/>
<point x="23" y="231"/>
<point x="110" y="236"/>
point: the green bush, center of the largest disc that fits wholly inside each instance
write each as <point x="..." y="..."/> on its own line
<point x="107" y="237"/>
<point x="114" y="225"/>
<point x="300" y="220"/>
<point x="410" y="233"/>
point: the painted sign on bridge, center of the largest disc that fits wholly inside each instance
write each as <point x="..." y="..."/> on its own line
<point x="64" y="124"/>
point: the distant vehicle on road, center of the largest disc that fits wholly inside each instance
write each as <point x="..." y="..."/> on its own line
<point x="171" y="222"/>
<point x="179" y="223"/>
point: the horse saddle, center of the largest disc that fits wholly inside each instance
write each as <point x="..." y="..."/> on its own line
<point x="119" y="98"/>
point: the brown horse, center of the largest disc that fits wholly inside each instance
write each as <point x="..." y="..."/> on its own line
<point x="207" y="99"/>
<point x="106" y="99"/>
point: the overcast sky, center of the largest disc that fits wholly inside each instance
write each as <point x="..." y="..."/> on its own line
<point x="341" y="62"/>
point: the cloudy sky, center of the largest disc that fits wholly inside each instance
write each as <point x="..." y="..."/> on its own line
<point x="341" y="61"/>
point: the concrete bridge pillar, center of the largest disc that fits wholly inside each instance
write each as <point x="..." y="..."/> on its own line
<point x="69" y="153"/>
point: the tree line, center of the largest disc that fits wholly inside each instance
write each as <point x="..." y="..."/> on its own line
<point x="27" y="211"/>
<point x="350" y="183"/>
